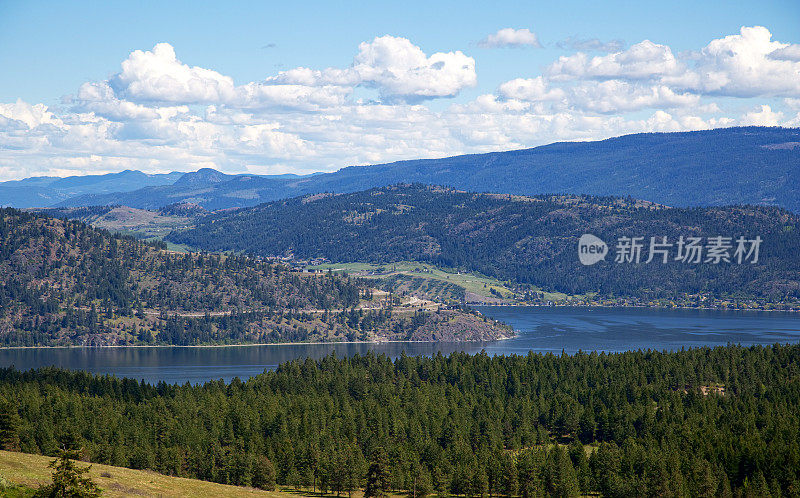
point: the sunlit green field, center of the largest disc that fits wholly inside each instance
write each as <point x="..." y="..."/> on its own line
<point x="471" y="282"/>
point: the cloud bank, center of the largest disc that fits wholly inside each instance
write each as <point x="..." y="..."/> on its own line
<point x="395" y="101"/>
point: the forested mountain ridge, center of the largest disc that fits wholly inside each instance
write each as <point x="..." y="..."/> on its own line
<point x="527" y="240"/>
<point x="701" y="422"/>
<point x="750" y="165"/>
<point x="66" y="283"/>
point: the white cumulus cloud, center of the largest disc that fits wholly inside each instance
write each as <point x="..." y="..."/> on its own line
<point x="763" y="116"/>
<point x="397" y="68"/>
<point x="31" y="116"/>
<point x="158" y="75"/>
<point x="747" y="64"/>
<point x="743" y="65"/>
<point x="644" y="60"/>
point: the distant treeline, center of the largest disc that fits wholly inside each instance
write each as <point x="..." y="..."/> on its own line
<point x="701" y="422"/>
<point x="82" y="212"/>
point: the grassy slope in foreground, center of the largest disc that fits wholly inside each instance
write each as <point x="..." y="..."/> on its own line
<point x="26" y="472"/>
<point x="32" y="471"/>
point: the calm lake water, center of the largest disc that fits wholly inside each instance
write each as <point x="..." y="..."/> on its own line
<point x="538" y="329"/>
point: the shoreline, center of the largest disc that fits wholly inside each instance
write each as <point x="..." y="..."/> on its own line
<point x="392" y="341"/>
<point x="632" y="306"/>
<point x="251" y="344"/>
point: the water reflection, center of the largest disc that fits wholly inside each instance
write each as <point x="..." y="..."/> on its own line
<point x="539" y="330"/>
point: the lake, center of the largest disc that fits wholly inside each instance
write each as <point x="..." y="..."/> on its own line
<point x="539" y="330"/>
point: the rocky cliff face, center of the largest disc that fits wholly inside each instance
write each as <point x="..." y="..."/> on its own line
<point x="450" y="326"/>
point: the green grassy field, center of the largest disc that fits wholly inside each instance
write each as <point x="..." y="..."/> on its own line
<point x="175" y="247"/>
<point x="470" y="282"/>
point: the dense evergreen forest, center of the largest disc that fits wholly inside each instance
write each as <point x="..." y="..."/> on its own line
<point x="526" y="240"/>
<point x="702" y="422"/>
<point x="63" y="282"/>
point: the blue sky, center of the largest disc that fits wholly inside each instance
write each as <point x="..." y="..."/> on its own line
<point x="381" y="81"/>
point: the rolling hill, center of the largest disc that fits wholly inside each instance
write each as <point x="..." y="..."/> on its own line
<point x="31" y="471"/>
<point x="64" y="283"/>
<point x="750" y="165"/>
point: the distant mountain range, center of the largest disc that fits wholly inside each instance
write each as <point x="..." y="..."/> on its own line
<point x="43" y="191"/>
<point x="752" y="165"/>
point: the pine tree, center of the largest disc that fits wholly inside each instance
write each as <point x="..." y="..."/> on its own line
<point x="494" y="473"/>
<point x="724" y="486"/>
<point x="68" y="479"/>
<point x="9" y="426"/>
<point x="422" y="485"/>
<point x="566" y="480"/>
<point x="705" y="482"/>
<point x="757" y="487"/>
<point x="263" y="474"/>
<point x="377" y="475"/>
<point x="293" y="479"/>
<point x="354" y="470"/>
<point x="478" y="481"/>
<point x="510" y="477"/>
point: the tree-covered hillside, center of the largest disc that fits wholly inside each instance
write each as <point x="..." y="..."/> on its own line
<point x="703" y="422"/>
<point x="63" y="282"/>
<point x="528" y="240"/>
